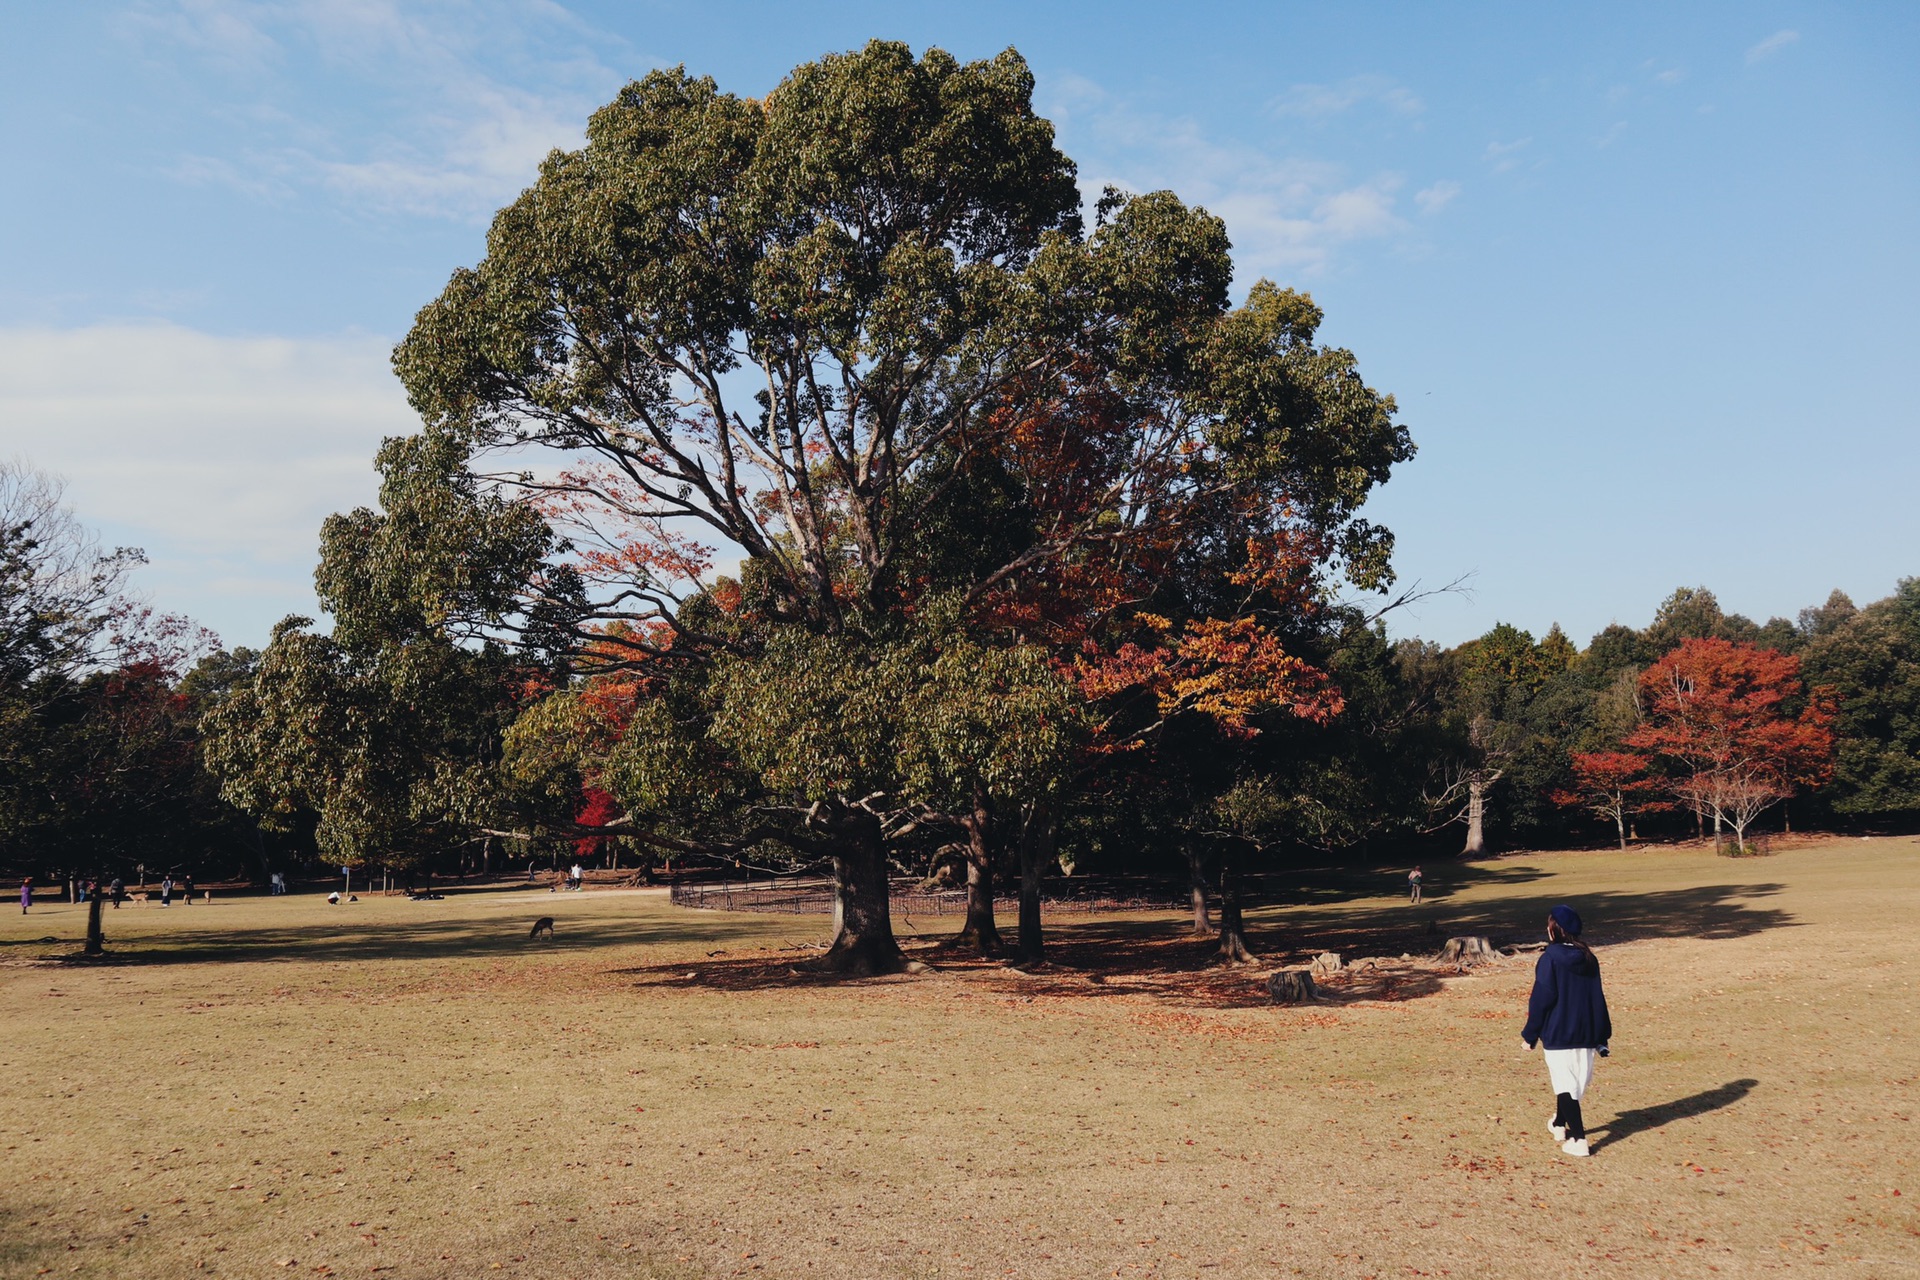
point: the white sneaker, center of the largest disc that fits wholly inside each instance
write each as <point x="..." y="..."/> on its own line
<point x="1558" y="1130"/>
<point x="1576" y="1147"/>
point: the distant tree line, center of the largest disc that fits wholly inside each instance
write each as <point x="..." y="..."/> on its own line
<point x="1050" y="558"/>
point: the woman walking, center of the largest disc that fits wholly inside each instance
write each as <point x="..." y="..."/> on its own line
<point x="1567" y="1016"/>
<point x="26" y="894"/>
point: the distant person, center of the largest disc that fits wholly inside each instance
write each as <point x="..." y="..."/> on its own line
<point x="187" y="898"/>
<point x="276" y="884"/>
<point x="166" y="891"/>
<point x="1567" y="1016"/>
<point x="26" y="894"/>
<point x="1415" y="878"/>
<point x="117" y="891"/>
<point x="573" y="877"/>
<point x="333" y="899"/>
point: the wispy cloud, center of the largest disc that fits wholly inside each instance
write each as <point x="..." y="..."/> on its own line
<point x="1436" y="197"/>
<point x="1319" y="101"/>
<point x="1507" y="156"/>
<point x="1771" y="45"/>
<point x="230" y="35"/>
<point x="443" y="111"/>
<point x="1286" y="214"/>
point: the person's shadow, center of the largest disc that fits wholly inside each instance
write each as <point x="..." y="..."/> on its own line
<point x="1627" y="1123"/>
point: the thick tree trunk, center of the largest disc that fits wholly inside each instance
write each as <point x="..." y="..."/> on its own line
<point x="1036" y="850"/>
<point x="1620" y="824"/>
<point x="981" y="931"/>
<point x="863" y="940"/>
<point x="1476" y="818"/>
<point x="1197" y="889"/>
<point x="1233" y="928"/>
<point x="1718" y="838"/>
<point x="96" y="941"/>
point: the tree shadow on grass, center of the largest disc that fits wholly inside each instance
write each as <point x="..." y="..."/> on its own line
<point x="1087" y="958"/>
<point x="1159" y="955"/>
<point x="1138" y="953"/>
<point x="1626" y="1124"/>
<point x="1332" y="885"/>
<point x="428" y="938"/>
<point x="1702" y="911"/>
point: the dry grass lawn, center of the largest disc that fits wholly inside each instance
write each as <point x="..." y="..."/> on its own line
<point x="274" y="1087"/>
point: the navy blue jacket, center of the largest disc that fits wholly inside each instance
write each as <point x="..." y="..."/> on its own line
<point x="1568" y="1010"/>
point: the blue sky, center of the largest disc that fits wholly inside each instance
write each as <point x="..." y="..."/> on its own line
<point x="1643" y="277"/>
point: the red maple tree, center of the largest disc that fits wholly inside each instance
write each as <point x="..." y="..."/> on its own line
<point x="1733" y="730"/>
<point x="1613" y="785"/>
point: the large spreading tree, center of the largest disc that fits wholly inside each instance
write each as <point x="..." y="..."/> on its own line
<point x="858" y="333"/>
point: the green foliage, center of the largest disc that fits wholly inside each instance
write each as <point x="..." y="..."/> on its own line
<point x="388" y="732"/>
<point x="1694" y="613"/>
<point x="985" y="720"/>
<point x="1300" y="420"/>
<point x="813" y="716"/>
<point x="1870" y="659"/>
<point x="1253" y="810"/>
<point x="857" y="236"/>
<point x="442" y="558"/>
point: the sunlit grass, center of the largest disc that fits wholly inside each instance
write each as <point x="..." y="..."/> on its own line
<point x="275" y="1086"/>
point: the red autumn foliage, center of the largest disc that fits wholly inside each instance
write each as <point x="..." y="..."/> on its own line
<point x="1613" y="785"/>
<point x="1733" y="729"/>
<point x="597" y="809"/>
<point x="1120" y="500"/>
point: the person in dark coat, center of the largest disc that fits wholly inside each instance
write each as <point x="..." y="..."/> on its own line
<point x="1567" y="1017"/>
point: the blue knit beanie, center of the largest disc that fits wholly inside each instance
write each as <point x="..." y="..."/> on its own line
<point x="1567" y="918"/>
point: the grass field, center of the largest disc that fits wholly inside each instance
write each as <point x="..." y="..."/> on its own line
<point x="275" y="1087"/>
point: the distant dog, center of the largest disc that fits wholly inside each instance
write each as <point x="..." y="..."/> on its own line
<point x="543" y="925"/>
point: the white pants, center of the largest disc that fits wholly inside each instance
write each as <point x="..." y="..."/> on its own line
<point x="1570" y="1070"/>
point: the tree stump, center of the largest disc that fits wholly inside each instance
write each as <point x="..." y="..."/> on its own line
<point x="1325" y="963"/>
<point x="1291" y="986"/>
<point x="1468" y="951"/>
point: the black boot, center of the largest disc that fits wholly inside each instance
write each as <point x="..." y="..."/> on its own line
<point x="1576" y="1143"/>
